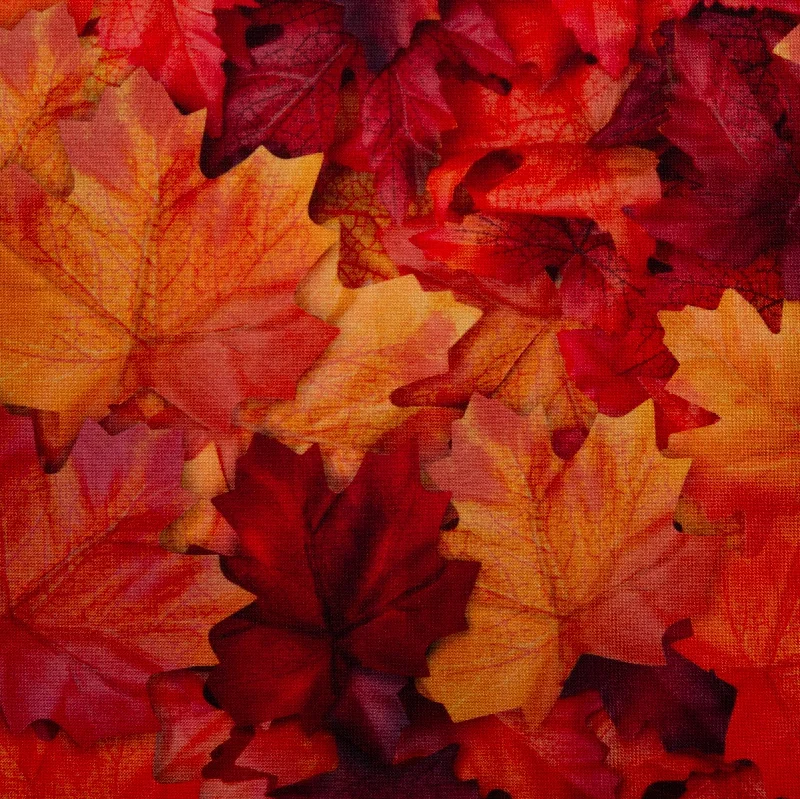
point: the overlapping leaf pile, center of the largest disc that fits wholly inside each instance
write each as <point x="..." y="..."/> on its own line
<point x="402" y="399"/>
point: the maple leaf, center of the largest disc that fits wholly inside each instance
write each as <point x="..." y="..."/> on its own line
<point x="688" y="706"/>
<point x="536" y="33"/>
<point x="385" y="27"/>
<point x="121" y="286"/>
<point x="748" y="183"/>
<point x="47" y="74"/>
<point x="287" y="96"/>
<point x="403" y="110"/>
<point x="543" y="133"/>
<point x="403" y="115"/>
<point x="572" y="180"/>
<point x="91" y="604"/>
<point x="515" y="358"/>
<point x="749" y="637"/>
<point x="731" y="364"/>
<point x="560" y="759"/>
<point x="574" y="557"/>
<point x="748" y="40"/>
<point x="327" y="594"/>
<point x="358" y="777"/>
<point x="343" y="403"/>
<point x="595" y="285"/>
<point x="195" y="737"/>
<point x="175" y="41"/>
<point x="642" y="761"/>
<point x="33" y="768"/>
<point x="569" y="110"/>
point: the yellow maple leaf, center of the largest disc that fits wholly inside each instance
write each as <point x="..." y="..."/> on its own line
<point x="391" y="333"/>
<point x="149" y="275"/>
<point x="731" y="364"/>
<point x="576" y="557"/>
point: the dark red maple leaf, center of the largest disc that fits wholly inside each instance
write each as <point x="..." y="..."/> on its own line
<point x="384" y="26"/>
<point x="749" y="184"/>
<point x="341" y="579"/>
<point x="287" y="96"/>
<point x="358" y="777"/>
<point x="688" y="706"/>
<point x="748" y="40"/>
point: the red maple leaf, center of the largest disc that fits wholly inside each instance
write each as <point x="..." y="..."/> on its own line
<point x="175" y="41"/>
<point x="403" y="110"/>
<point x="91" y="604"/>
<point x="340" y="579"/>
<point x="595" y="284"/>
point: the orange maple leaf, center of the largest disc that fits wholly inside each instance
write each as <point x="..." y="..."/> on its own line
<point x="576" y="557"/>
<point x="343" y="403"/>
<point x="46" y="74"/>
<point x="150" y="275"/>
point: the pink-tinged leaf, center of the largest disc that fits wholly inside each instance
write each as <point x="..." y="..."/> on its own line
<point x="91" y="604"/>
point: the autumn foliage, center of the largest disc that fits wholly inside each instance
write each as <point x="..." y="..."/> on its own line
<point x="399" y="398"/>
